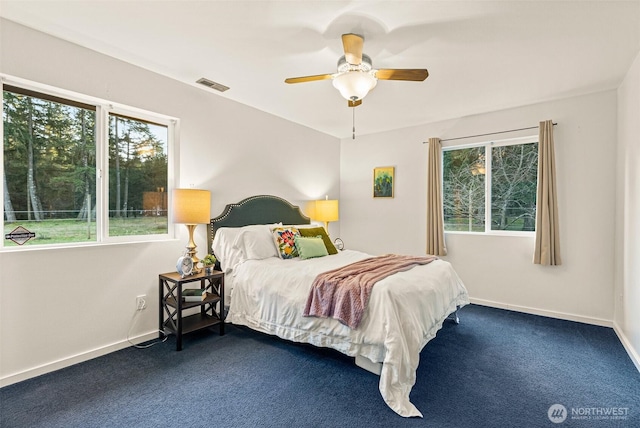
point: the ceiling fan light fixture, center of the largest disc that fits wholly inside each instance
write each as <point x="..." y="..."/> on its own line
<point x="356" y="76"/>
<point x="365" y="64"/>
<point x="354" y="85"/>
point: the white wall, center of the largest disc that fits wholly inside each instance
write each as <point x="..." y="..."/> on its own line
<point x="627" y="289"/>
<point x="61" y="306"/>
<point x="498" y="270"/>
<point x="51" y="316"/>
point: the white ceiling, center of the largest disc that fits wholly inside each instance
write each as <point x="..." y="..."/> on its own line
<point x="481" y="55"/>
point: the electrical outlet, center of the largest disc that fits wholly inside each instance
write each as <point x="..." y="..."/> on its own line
<point x="141" y="303"/>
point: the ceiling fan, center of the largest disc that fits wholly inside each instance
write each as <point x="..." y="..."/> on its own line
<point x="356" y="76"/>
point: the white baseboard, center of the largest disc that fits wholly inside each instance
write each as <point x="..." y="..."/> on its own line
<point x="545" y="313"/>
<point x="635" y="357"/>
<point x="633" y="354"/>
<point x="75" y="359"/>
<point x="98" y="352"/>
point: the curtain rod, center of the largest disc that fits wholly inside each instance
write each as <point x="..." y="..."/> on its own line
<point x="490" y="133"/>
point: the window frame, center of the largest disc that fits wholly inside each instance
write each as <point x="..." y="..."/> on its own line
<point x="489" y="145"/>
<point x="103" y="109"/>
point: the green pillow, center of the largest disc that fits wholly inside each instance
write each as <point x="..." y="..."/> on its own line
<point x="315" y="231"/>
<point x="310" y="247"/>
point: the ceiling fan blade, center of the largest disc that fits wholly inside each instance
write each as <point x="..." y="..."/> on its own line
<point x="308" y="78"/>
<point x="353" y="48"/>
<point x="354" y="103"/>
<point x="415" y="74"/>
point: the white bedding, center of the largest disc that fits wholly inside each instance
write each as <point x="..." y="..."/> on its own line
<point x="405" y="311"/>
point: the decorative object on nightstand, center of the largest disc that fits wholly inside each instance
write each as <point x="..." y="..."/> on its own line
<point x="326" y="210"/>
<point x="339" y="244"/>
<point x="173" y="302"/>
<point x="194" y="295"/>
<point x="209" y="262"/>
<point x="184" y="265"/>
<point x="191" y="207"/>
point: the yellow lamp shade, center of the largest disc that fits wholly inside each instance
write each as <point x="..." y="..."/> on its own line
<point x="191" y="206"/>
<point x="326" y="210"/>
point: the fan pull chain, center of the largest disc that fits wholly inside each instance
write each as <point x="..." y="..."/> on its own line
<point x="353" y="135"/>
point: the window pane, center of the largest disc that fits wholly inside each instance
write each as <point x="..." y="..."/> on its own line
<point x="514" y="171"/>
<point x="49" y="169"/>
<point x="463" y="185"/>
<point x="137" y="177"/>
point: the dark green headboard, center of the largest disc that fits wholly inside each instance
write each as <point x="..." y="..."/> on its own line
<point x="260" y="209"/>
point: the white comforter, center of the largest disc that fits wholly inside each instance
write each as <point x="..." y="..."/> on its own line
<point x="405" y="311"/>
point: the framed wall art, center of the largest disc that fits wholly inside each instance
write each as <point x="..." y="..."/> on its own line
<point x="383" y="178"/>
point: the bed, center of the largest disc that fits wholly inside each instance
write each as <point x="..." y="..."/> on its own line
<point x="268" y="294"/>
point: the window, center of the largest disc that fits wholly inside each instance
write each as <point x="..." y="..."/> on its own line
<point x="58" y="146"/>
<point x="137" y="177"/>
<point x="490" y="187"/>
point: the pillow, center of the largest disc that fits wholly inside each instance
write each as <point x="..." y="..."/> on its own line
<point x="255" y="244"/>
<point x="284" y="237"/>
<point x="223" y="245"/>
<point x="310" y="247"/>
<point x="319" y="231"/>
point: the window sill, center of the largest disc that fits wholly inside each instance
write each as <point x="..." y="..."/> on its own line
<point x="82" y="245"/>
<point x="493" y="233"/>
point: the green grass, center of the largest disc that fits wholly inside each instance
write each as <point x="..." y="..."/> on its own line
<point x="453" y="227"/>
<point x="461" y="224"/>
<point x="66" y="231"/>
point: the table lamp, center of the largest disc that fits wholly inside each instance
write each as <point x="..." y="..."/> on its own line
<point x="326" y="210"/>
<point x="191" y="207"/>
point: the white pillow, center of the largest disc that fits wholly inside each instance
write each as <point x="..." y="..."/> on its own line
<point x="223" y="245"/>
<point x="256" y="244"/>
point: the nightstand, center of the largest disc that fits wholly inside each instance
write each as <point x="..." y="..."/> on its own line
<point x="211" y="308"/>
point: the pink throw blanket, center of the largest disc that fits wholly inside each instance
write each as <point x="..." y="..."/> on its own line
<point x="343" y="293"/>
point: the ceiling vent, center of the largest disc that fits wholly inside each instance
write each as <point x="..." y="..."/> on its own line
<point x="211" y="84"/>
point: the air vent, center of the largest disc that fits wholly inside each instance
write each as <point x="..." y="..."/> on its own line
<point x="211" y="84"/>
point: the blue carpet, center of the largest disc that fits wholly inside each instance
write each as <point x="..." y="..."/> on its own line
<point x="495" y="369"/>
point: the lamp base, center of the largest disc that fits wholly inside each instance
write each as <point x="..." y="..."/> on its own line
<point x="191" y="247"/>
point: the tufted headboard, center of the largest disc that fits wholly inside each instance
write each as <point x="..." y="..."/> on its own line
<point x="260" y="209"/>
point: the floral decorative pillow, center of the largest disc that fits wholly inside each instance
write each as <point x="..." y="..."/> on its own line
<point x="285" y="239"/>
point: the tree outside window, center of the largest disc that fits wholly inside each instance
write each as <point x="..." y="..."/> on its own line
<point x="464" y="189"/>
<point x="505" y="174"/>
<point x="50" y="180"/>
<point x="137" y="177"/>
